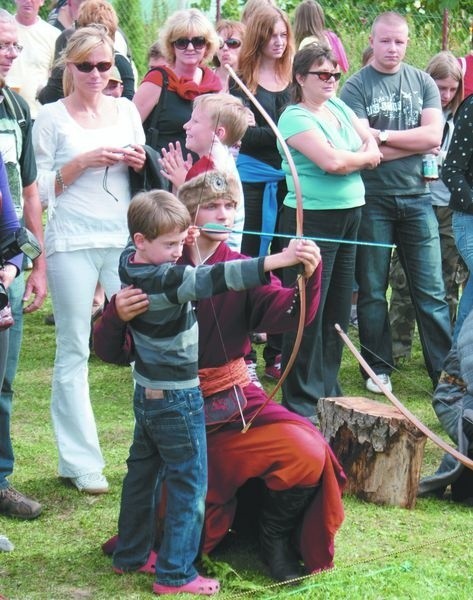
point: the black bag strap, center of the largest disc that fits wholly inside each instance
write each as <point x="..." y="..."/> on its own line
<point x="14" y="108"/>
<point x="153" y="118"/>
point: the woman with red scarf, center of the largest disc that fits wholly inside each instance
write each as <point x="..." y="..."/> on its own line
<point x="164" y="98"/>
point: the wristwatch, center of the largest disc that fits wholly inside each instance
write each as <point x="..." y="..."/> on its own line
<point x="383" y="136"/>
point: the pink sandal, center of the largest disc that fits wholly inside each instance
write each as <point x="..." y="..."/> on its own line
<point x="148" y="567"/>
<point x="200" y="586"/>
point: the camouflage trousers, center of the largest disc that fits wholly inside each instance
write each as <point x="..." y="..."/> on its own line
<point x="401" y="310"/>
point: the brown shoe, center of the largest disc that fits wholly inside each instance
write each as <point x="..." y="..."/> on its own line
<point x="15" y="504"/>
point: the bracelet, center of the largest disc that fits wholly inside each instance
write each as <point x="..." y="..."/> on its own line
<point x="60" y="181"/>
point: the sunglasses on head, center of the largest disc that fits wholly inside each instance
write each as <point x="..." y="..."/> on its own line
<point x="325" y="75"/>
<point x="198" y="42"/>
<point x="231" y="43"/>
<point x="88" y="67"/>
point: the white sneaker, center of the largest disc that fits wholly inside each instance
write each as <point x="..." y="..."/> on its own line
<point x="251" y="366"/>
<point x="5" y="544"/>
<point x="91" y="483"/>
<point x="372" y="387"/>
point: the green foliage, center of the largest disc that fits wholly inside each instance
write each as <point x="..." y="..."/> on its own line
<point x="231" y="9"/>
<point x="203" y="5"/>
<point x="130" y="15"/>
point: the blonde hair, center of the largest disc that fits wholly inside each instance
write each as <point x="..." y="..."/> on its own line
<point x="187" y="23"/>
<point x="81" y="43"/>
<point x="225" y="110"/>
<point x="388" y="18"/>
<point x="208" y="186"/>
<point x="98" y="12"/>
<point x="156" y="213"/>
<point x="444" y="65"/>
<point x="258" y="33"/>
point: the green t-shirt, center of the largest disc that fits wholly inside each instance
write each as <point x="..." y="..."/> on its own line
<point x="322" y="190"/>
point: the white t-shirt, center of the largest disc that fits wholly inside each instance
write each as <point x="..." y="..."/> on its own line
<point x="85" y="215"/>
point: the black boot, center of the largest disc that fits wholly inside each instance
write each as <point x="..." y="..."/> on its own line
<point x="278" y="520"/>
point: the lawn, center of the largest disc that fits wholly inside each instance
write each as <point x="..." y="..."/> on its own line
<point x="381" y="552"/>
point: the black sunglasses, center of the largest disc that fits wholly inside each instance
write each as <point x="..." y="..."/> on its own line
<point x="198" y="42"/>
<point x="231" y="43"/>
<point x="325" y="75"/>
<point x="88" y="67"/>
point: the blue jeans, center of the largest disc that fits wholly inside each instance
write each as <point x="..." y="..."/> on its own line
<point x="462" y="224"/>
<point x="169" y="438"/>
<point x="409" y="222"/>
<point x="314" y="374"/>
<point x="15" y="295"/>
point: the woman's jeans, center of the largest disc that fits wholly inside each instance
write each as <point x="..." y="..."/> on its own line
<point x="462" y="224"/>
<point x="170" y="441"/>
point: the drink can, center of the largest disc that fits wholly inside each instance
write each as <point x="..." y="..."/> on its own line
<point x="430" y="170"/>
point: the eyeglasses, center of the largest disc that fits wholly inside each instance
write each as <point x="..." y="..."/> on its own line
<point x="87" y="67"/>
<point x="9" y="47"/>
<point x="231" y="43"/>
<point x="198" y="42"/>
<point x="325" y="75"/>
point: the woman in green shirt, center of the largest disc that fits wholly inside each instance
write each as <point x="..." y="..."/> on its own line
<point x="329" y="147"/>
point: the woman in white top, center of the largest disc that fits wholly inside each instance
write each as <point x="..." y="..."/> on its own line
<point x="84" y="145"/>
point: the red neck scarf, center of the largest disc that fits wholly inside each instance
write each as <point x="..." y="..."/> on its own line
<point x="186" y="88"/>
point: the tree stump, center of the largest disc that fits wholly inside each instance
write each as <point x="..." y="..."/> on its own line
<point x="380" y="450"/>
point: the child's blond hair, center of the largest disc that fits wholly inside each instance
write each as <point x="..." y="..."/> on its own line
<point x="225" y="110"/>
<point x="156" y="213"/>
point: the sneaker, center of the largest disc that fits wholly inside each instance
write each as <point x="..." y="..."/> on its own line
<point x="91" y="483"/>
<point x="5" y="544"/>
<point x="274" y="371"/>
<point x="372" y="387"/>
<point x="15" y="504"/>
<point x="251" y="366"/>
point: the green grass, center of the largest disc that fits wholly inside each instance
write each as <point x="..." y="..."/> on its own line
<point x="381" y="552"/>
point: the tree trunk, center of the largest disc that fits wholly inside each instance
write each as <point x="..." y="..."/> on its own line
<point x="379" y="449"/>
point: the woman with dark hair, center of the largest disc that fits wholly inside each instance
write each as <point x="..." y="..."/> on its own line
<point x="329" y="146"/>
<point x="164" y="98"/>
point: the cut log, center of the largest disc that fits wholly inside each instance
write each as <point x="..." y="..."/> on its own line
<point x="380" y="450"/>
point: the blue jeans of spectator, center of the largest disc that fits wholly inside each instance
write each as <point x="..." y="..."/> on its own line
<point x="462" y="224"/>
<point x="410" y="223"/>
<point x="15" y="295"/>
<point x="314" y="374"/>
<point x="169" y="438"/>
